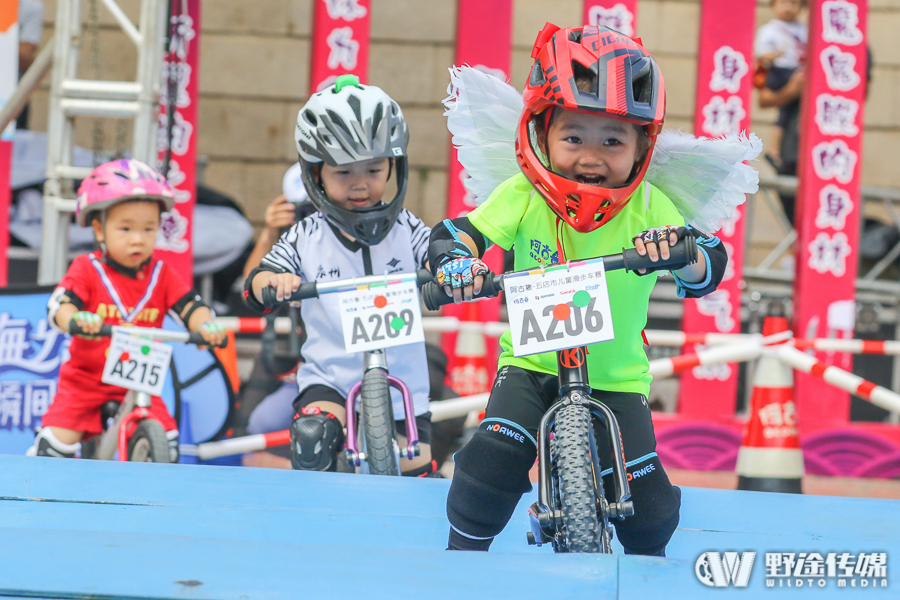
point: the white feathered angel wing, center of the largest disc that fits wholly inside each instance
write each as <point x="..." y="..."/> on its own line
<point x="705" y="178"/>
<point x="482" y="114"/>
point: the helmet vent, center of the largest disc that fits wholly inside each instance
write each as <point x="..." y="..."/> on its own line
<point x="338" y="121"/>
<point x="310" y="117"/>
<point x="575" y="36"/>
<point x="354" y="103"/>
<point x="377" y="116"/>
<point x="642" y="81"/>
<point x="537" y="78"/>
<point x="585" y="78"/>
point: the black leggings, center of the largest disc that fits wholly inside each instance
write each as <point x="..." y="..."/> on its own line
<point x="492" y="470"/>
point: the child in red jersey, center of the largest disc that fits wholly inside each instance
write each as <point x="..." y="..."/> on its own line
<point x="120" y="284"/>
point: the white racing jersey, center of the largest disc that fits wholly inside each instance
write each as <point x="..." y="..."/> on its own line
<point x="316" y="251"/>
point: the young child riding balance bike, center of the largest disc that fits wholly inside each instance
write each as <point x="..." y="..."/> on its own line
<point x="119" y="284"/>
<point x="594" y="106"/>
<point x="351" y="138"/>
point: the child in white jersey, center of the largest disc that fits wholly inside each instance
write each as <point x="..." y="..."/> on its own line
<point x="351" y="138"/>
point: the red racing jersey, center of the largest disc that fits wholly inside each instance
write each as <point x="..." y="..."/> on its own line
<point x="119" y="299"/>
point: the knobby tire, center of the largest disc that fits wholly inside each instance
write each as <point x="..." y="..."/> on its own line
<point x="576" y="479"/>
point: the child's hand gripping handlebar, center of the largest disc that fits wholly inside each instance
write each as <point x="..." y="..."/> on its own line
<point x="162" y="335"/>
<point x="315" y="289"/>
<point x="682" y="254"/>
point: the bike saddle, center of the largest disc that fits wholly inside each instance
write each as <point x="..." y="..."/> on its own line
<point x="108" y="411"/>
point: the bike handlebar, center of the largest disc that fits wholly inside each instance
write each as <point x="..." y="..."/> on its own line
<point x="683" y="253"/>
<point x="314" y="289"/>
<point x="189" y="337"/>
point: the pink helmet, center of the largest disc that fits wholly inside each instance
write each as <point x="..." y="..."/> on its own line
<point x="118" y="181"/>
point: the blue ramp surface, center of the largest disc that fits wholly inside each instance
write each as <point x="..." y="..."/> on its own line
<point x="90" y="529"/>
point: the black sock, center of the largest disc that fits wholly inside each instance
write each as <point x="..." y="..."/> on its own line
<point x="458" y="541"/>
<point x="658" y="551"/>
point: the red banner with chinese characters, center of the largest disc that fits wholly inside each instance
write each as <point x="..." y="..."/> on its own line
<point x="483" y="41"/>
<point x="175" y="239"/>
<point x="620" y="15"/>
<point x="340" y="41"/>
<point x="724" y="82"/>
<point x="828" y="198"/>
<point x="9" y="76"/>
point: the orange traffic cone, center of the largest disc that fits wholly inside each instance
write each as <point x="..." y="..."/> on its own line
<point x="470" y="375"/>
<point x="770" y="459"/>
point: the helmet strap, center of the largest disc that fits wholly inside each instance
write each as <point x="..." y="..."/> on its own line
<point x="559" y="241"/>
<point x="548" y="116"/>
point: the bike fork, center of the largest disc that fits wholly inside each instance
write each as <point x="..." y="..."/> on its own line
<point x="545" y="517"/>
<point x="141" y="411"/>
<point x="377" y="359"/>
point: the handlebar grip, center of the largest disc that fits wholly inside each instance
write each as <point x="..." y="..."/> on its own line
<point x="75" y="329"/>
<point x="197" y="339"/>
<point x="435" y="297"/>
<point x="423" y="276"/>
<point x="269" y="297"/>
<point x="682" y="254"/>
<point x="305" y="291"/>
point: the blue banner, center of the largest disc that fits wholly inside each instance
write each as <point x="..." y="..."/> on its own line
<point x="30" y="354"/>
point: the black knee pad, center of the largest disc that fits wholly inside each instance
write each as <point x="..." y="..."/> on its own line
<point x="490" y="477"/>
<point x="315" y="441"/>
<point x="657" y="505"/>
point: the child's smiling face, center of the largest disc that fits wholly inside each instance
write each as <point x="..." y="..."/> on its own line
<point x="130" y="232"/>
<point x="590" y="149"/>
<point x="356" y="185"/>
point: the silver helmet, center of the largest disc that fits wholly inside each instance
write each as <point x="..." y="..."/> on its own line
<point x="346" y="123"/>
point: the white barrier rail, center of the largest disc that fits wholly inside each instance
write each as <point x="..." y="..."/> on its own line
<point x="656" y="337"/>
<point x="839" y="378"/>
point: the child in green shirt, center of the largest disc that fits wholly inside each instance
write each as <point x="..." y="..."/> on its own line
<point x="594" y="105"/>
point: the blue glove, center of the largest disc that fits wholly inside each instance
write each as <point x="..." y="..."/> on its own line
<point x="461" y="272"/>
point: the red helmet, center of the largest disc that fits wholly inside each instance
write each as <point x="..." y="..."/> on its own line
<point x="628" y="85"/>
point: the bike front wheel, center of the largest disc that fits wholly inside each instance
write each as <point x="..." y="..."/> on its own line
<point x="575" y="480"/>
<point x="148" y="443"/>
<point x="378" y="428"/>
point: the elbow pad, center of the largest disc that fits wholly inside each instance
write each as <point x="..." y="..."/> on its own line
<point x="716" y="264"/>
<point x="446" y="245"/>
<point x="59" y="297"/>
<point x="249" y="299"/>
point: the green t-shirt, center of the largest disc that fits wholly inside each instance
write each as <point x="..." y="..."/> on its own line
<point x="515" y="216"/>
